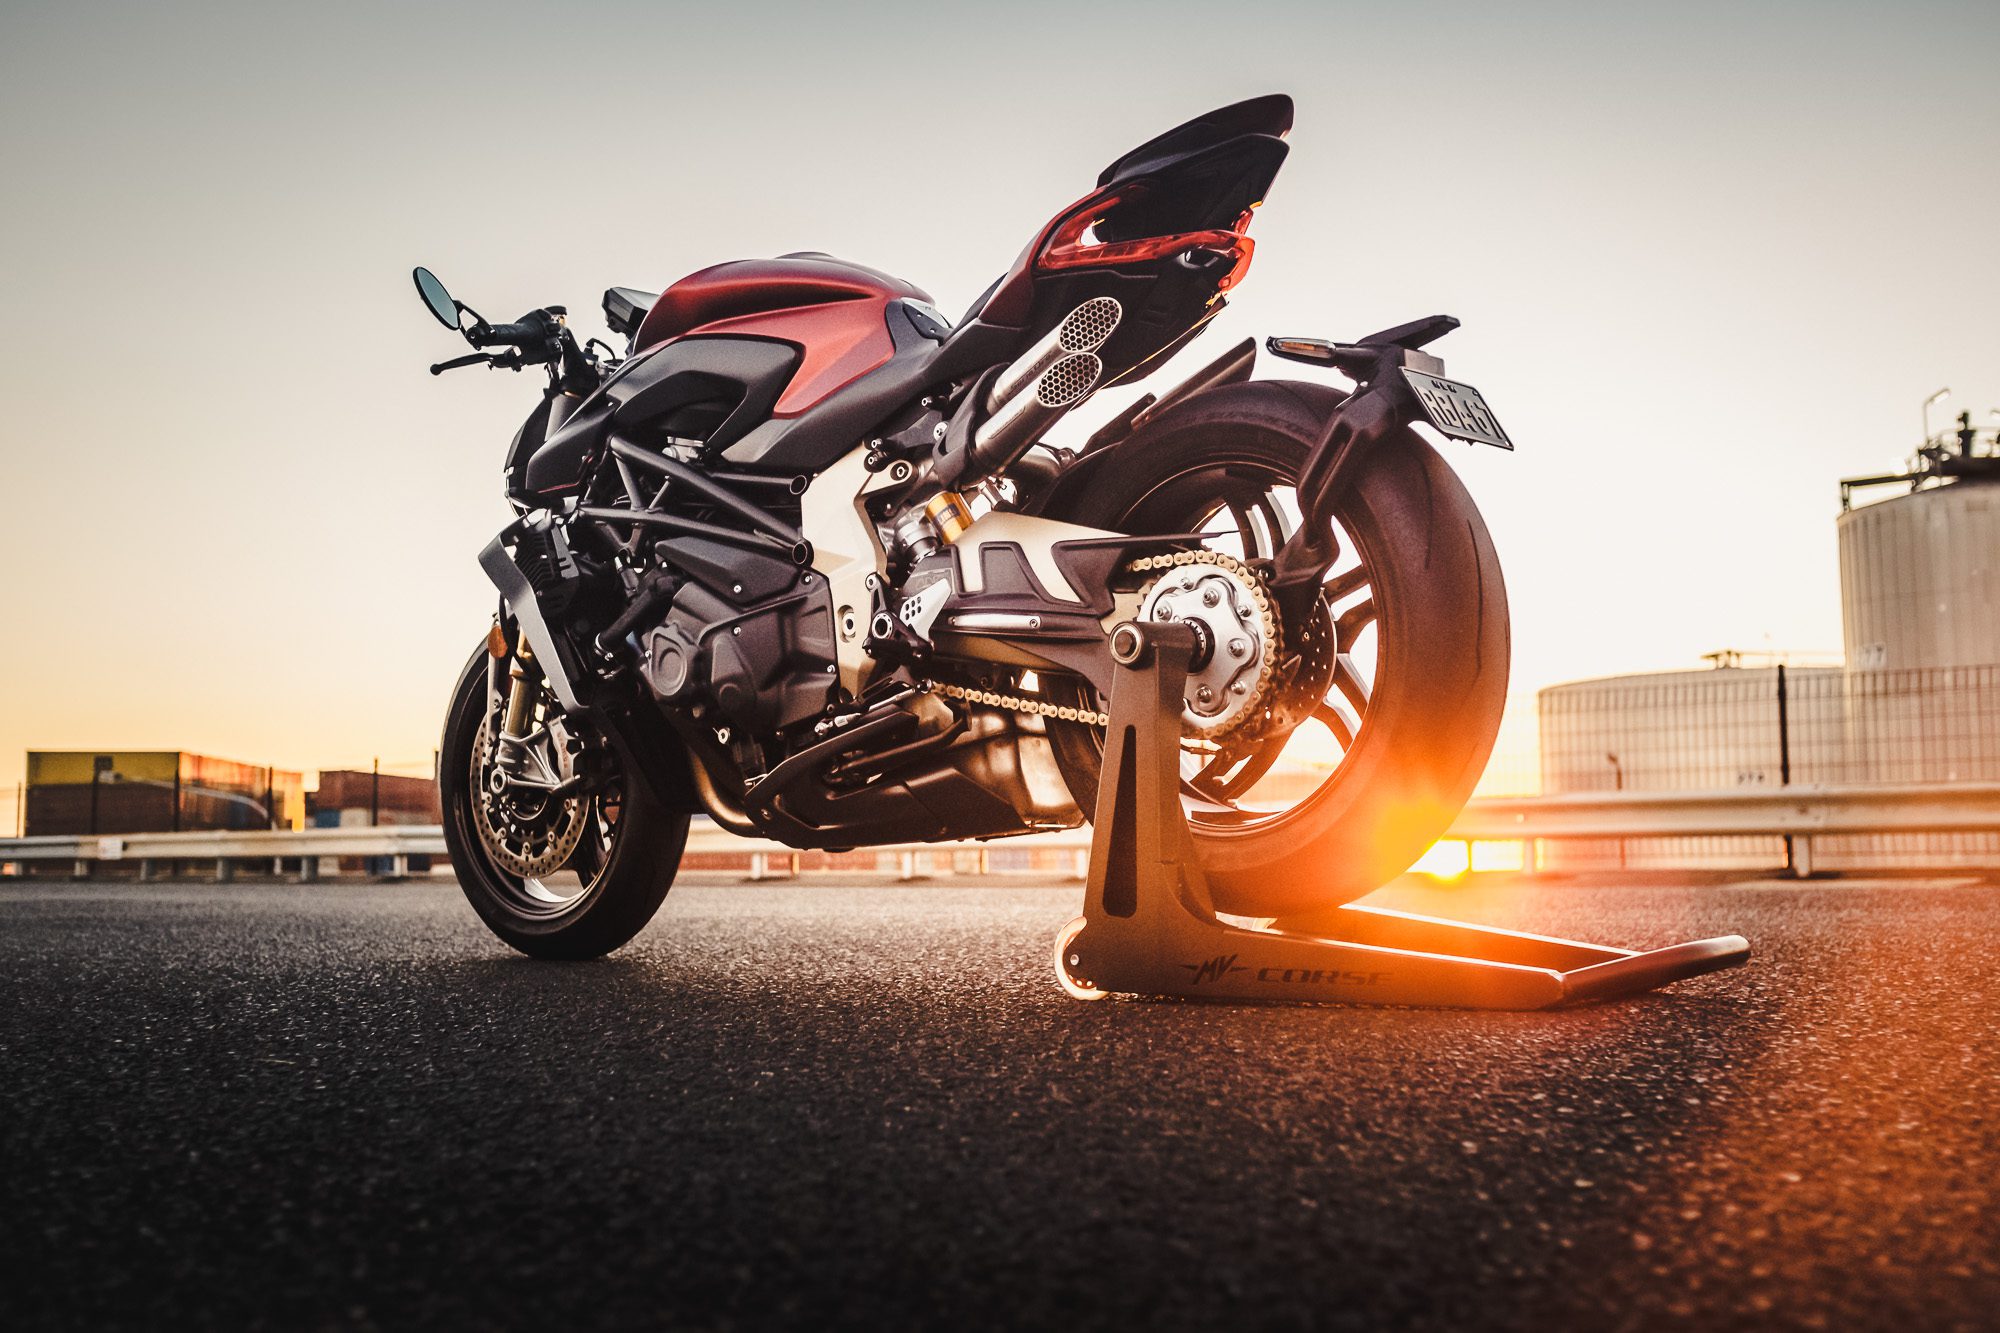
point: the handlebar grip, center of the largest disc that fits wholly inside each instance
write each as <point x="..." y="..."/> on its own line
<point x="524" y="336"/>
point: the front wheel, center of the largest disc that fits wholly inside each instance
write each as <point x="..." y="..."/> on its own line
<point x="1398" y="722"/>
<point x="570" y="875"/>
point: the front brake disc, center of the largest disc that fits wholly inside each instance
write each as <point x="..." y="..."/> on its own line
<point x="527" y="833"/>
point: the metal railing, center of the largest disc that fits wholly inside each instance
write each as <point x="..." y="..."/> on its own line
<point x="226" y="849"/>
<point x="393" y="846"/>
<point x="1798" y="812"/>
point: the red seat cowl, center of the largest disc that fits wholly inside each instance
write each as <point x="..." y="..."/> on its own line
<point x="755" y="286"/>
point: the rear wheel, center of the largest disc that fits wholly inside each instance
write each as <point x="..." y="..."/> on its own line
<point x="569" y="875"/>
<point x="1398" y="710"/>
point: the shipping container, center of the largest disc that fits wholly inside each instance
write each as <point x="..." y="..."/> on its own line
<point x="396" y="799"/>
<point x="73" y="792"/>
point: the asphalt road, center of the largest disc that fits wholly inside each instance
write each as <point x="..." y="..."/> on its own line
<point x="825" y="1105"/>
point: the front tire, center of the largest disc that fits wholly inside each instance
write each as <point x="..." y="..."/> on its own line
<point x="1439" y="612"/>
<point x="611" y="884"/>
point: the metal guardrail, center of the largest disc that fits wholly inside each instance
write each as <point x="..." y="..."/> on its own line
<point x="912" y="859"/>
<point x="1968" y="807"/>
<point x="395" y="843"/>
<point x="1798" y="812"/>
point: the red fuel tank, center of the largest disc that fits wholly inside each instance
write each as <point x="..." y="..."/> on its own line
<point x="832" y="311"/>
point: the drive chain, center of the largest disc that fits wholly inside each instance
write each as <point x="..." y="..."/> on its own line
<point x="1019" y="703"/>
<point x="1268" y="625"/>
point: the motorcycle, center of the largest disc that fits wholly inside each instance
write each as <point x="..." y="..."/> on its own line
<point x="799" y="557"/>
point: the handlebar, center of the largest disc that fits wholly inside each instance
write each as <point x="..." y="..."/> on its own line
<point x="538" y="338"/>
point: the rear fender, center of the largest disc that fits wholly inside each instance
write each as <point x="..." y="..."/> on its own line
<point x="1065" y="495"/>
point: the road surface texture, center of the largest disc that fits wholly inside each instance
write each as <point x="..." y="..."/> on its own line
<point x="838" y="1105"/>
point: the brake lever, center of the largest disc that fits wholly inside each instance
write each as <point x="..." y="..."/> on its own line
<point x="457" y="362"/>
<point x="504" y="361"/>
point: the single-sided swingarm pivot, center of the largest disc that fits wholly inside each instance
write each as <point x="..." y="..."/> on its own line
<point x="1150" y="928"/>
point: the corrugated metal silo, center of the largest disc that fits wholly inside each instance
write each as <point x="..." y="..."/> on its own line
<point x="1920" y="579"/>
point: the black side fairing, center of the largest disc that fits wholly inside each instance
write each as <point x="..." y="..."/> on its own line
<point x="527" y="440"/>
<point x="714" y="388"/>
<point x="817" y="437"/>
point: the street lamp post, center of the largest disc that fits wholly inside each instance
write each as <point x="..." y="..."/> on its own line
<point x="1617" y="784"/>
<point x="1931" y="402"/>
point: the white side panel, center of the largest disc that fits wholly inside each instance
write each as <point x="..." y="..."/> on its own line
<point x="845" y="551"/>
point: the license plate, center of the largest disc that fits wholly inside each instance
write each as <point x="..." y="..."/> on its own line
<point x="1457" y="409"/>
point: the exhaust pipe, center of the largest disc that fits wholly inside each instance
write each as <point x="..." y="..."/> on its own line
<point x="1023" y="416"/>
<point x="1084" y="329"/>
<point x="1006" y="434"/>
<point x="1026" y="397"/>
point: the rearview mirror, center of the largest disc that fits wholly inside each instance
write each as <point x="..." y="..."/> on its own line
<point x="437" y="298"/>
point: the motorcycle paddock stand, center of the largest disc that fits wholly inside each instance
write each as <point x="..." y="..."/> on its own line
<point x="1149" y="926"/>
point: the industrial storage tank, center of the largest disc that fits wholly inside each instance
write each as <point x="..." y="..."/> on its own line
<point x="1920" y="608"/>
<point x="1920" y="579"/>
<point x="1713" y="730"/>
<point x="1918" y="701"/>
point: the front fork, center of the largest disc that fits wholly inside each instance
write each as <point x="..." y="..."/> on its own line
<point x="523" y="684"/>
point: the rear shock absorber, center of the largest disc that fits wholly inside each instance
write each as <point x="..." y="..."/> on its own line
<point x="939" y="521"/>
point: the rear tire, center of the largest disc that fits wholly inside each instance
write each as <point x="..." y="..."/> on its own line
<point x="1442" y="652"/>
<point x="624" y="876"/>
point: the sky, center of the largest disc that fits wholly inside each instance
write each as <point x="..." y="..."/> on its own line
<point x="1709" y="258"/>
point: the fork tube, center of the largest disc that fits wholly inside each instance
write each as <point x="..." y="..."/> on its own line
<point x="520" y="708"/>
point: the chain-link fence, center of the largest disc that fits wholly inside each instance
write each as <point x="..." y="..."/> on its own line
<point x="1762" y="727"/>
